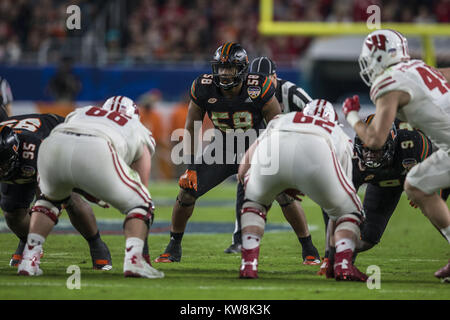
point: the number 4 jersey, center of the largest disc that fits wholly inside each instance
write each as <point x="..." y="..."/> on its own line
<point x="31" y="129"/>
<point x="429" y="105"/>
<point x="127" y="135"/>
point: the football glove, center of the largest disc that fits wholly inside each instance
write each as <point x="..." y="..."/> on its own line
<point x="350" y="109"/>
<point x="188" y="180"/>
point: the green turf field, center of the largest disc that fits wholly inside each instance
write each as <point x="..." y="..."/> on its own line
<point x="410" y="252"/>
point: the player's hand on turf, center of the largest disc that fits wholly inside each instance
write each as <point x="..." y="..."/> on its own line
<point x="188" y="180"/>
<point x="413" y="204"/>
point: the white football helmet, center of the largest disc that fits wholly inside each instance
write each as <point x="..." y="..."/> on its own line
<point x="381" y="49"/>
<point x="123" y="105"/>
<point x="321" y="108"/>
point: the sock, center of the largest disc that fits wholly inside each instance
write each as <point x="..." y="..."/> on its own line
<point x="95" y="240"/>
<point x="250" y="241"/>
<point x="21" y="246"/>
<point x="345" y="244"/>
<point x="145" y="249"/>
<point x="34" y="245"/>
<point x="133" y="246"/>
<point x="446" y="233"/>
<point x="176" y="237"/>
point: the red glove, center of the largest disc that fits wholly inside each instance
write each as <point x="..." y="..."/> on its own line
<point x="350" y="105"/>
<point x="188" y="180"/>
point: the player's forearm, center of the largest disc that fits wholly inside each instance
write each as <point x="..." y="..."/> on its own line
<point x="372" y="139"/>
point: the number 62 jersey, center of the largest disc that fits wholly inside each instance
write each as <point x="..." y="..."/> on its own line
<point x="31" y="129"/>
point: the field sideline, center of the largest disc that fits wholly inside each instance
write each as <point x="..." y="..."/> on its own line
<point x="410" y="252"/>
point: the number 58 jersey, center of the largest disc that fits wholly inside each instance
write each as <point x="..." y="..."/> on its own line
<point x="127" y="135"/>
<point x="429" y="106"/>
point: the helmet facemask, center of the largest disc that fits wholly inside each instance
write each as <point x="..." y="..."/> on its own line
<point x="374" y="159"/>
<point x="228" y="75"/>
<point x="9" y="155"/>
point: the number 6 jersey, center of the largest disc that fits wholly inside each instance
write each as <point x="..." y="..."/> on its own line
<point x="126" y="134"/>
<point x="429" y="105"/>
<point x="31" y="129"/>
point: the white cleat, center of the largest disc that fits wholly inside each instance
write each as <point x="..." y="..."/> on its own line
<point x="137" y="267"/>
<point x="30" y="267"/>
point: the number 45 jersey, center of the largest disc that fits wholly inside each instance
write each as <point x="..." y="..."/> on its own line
<point x="31" y="129"/>
<point x="126" y="134"/>
<point x="429" y="105"/>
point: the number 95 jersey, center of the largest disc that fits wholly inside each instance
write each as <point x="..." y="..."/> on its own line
<point x="31" y="129"/>
<point x="127" y="135"/>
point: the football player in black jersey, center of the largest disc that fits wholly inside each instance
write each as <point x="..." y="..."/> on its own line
<point x="20" y="138"/>
<point x="291" y="98"/>
<point x="384" y="171"/>
<point x="233" y="99"/>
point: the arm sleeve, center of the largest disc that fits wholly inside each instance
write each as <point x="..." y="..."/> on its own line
<point x="393" y="81"/>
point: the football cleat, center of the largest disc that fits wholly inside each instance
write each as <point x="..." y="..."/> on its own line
<point x="344" y="268"/>
<point x="17" y="258"/>
<point x="171" y="254"/>
<point x="101" y="257"/>
<point x="137" y="267"/>
<point x="323" y="267"/>
<point x="234" y="248"/>
<point x="249" y="264"/>
<point x="444" y="273"/>
<point x="311" y="261"/>
<point x="30" y="267"/>
<point x="167" y="258"/>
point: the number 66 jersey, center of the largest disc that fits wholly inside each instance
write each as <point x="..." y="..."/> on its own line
<point x="125" y="134"/>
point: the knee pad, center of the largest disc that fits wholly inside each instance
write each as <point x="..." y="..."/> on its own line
<point x="253" y="214"/>
<point x="50" y="208"/>
<point x="185" y="199"/>
<point x="349" y="222"/>
<point x="284" y="199"/>
<point x="144" y="213"/>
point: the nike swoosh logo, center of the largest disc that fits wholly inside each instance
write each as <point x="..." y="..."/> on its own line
<point x="129" y="249"/>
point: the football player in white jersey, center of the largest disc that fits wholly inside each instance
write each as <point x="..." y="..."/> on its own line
<point x="311" y="155"/>
<point x="415" y="93"/>
<point x="106" y="152"/>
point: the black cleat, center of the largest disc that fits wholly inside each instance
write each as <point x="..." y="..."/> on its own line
<point x="101" y="257"/>
<point x="234" y="248"/>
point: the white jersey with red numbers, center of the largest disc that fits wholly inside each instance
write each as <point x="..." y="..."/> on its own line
<point x="127" y="135"/>
<point x="307" y="154"/>
<point x="429" y="105"/>
<point x="336" y="138"/>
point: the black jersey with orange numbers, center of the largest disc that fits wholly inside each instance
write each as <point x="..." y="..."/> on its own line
<point x="411" y="147"/>
<point x="31" y="129"/>
<point x="243" y="111"/>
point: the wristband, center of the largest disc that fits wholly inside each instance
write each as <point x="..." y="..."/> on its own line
<point x="353" y="118"/>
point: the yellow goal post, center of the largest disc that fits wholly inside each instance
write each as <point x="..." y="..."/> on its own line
<point x="267" y="26"/>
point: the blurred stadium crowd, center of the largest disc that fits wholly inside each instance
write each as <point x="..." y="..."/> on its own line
<point x="181" y="30"/>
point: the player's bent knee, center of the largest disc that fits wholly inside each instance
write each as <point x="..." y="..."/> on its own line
<point x="144" y="213"/>
<point x="284" y="199"/>
<point x="253" y="214"/>
<point x="185" y="199"/>
<point x="50" y="208"/>
<point x="15" y="215"/>
<point x="349" y="222"/>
